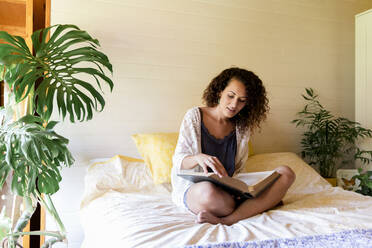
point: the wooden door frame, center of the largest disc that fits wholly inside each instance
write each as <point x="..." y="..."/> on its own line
<point x="37" y="16"/>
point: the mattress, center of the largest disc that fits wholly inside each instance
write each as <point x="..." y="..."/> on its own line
<point x="122" y="207"/>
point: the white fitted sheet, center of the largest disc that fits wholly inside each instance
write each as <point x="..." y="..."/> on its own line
<point x="123" y="208"/>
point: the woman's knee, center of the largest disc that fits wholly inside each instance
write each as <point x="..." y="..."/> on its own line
<point x="287" y="175"/>
<point x="207" y="196"/>
<point x="207" y="193"/>
<point x="201" y="193"/>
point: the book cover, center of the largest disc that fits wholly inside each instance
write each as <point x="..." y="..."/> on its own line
<point x="244" y="185"/>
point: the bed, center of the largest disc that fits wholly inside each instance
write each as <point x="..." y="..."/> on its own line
<point x="122" y="207"/>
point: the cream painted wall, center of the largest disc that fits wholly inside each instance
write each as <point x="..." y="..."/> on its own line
<point x="165" y="52"/>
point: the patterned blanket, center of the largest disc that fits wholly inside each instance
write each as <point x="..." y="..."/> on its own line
<point x="358" y="238"/>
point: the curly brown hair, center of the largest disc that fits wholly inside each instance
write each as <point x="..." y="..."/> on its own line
<point x="256" y="108"/>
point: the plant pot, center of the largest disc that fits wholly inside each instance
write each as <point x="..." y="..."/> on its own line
<point x="332" y="181"/>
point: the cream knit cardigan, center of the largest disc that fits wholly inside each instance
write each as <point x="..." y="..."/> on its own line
<point x="189" y="143"/>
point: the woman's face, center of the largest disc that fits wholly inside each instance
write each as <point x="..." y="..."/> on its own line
<point x="233" y="98"/>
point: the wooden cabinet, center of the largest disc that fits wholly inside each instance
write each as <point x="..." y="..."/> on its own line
<point x="363" y="72"/>
<point x="22" y="18"/>
<point x="16" y="17"/>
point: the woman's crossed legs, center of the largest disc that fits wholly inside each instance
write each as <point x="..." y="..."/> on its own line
<point x="214" y="205"/>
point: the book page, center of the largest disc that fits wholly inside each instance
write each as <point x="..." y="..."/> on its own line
<point x="252" y="178"/>
<point x="246" y="185"/>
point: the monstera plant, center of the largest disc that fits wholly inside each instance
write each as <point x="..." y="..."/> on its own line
<point x="63" y="72"/>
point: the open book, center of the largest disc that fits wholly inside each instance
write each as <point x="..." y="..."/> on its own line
<point x="244" y="185"/>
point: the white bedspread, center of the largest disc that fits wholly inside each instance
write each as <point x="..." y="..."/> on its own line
<point x="123" y="208"/>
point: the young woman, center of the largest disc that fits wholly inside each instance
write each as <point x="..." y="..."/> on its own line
<point x="215" y="138"/>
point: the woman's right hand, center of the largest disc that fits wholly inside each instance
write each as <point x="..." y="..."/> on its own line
<point x="212" y="162"/>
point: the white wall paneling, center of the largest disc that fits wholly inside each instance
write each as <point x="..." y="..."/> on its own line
<point x="165" y="52"/>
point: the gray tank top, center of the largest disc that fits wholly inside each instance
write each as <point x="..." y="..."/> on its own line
<point x="224" y="149"/>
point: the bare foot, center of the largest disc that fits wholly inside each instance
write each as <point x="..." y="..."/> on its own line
<point x="207" y="217"/>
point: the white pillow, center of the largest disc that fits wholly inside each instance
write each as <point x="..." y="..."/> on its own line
<point x="120" y="173"/>
<point x="131" y="175"/>
<point x="307" y="179"/>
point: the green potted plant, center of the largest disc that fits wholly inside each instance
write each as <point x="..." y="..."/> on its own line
<point x="329" y="142"/>
<point x="56" y="75"/>
<point x="365" y="182"/>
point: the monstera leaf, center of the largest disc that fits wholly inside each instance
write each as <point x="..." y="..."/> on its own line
<point x="60" y="67"/>
<point x="35" y="154"/>
<point x="2" y="67"/>
<point x="56" y="71"/>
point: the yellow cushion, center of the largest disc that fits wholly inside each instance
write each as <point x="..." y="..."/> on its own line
<point x="250" y="149"/>
<point x="157" y="150"/>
